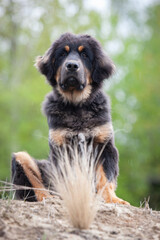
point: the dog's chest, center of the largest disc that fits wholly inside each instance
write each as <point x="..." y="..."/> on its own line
<point x="76" y="118"/>
<point x="79" y="119"/>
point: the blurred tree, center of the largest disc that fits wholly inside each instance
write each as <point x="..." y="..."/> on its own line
<point x="136" y="104"/>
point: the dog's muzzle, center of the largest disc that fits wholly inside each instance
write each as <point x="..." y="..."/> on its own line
<point x="72" y="83"/>
<point x="72" y="76"/>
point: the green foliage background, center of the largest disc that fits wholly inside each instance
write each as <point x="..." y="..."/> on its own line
<point x="130" y="34"/>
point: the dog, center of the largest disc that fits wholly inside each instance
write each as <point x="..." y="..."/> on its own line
<point x="75" y="66"/>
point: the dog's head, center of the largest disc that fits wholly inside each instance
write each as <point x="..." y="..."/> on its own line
<point x="75" y="64"/>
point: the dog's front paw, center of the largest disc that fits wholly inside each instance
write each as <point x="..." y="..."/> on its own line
<point x="117" y="200"/>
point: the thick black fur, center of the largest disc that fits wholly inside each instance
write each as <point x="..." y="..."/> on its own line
<point x="79" y="118"/>
<point x="94" y="111"/>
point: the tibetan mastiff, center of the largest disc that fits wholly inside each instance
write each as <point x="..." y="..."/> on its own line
<point x="75" y="66"/>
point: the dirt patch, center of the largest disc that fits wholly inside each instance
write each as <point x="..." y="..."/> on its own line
<point x="48" y="220"/>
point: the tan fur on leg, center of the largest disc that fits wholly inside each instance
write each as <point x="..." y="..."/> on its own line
<point x="33" y="174"/>
<point x="57" y="136"/>
<point x="107" y="188"/>
<point x="102" y="133"/>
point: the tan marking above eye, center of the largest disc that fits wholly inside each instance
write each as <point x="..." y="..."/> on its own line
<point x="67" y="48"/>
<point x="80" y="48"/>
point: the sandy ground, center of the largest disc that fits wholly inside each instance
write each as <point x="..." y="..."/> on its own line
<point x="48" y="220"/>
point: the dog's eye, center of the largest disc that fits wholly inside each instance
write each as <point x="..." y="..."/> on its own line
<point x="84" y="55"/>
<point x="63" y="54"/>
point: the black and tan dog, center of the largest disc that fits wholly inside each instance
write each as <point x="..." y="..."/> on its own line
<point x="75" y="66"/>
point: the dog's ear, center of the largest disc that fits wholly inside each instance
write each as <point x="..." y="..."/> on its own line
<point x="45" y="65"/>
<point x="103" y="66"/>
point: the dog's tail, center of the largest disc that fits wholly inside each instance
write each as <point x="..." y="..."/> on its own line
<point x="75" y="181"/>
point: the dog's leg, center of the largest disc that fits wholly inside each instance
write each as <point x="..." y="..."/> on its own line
<point x="107" y="189"/>
<point x="57" y="137"/>
<point x="26" y="172"/>
<point x="108" y="172"/>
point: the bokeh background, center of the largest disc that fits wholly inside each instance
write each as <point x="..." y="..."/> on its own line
<point x="129" y="31"/>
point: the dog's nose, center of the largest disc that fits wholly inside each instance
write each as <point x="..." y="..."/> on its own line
<point x="72" y="66"/>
